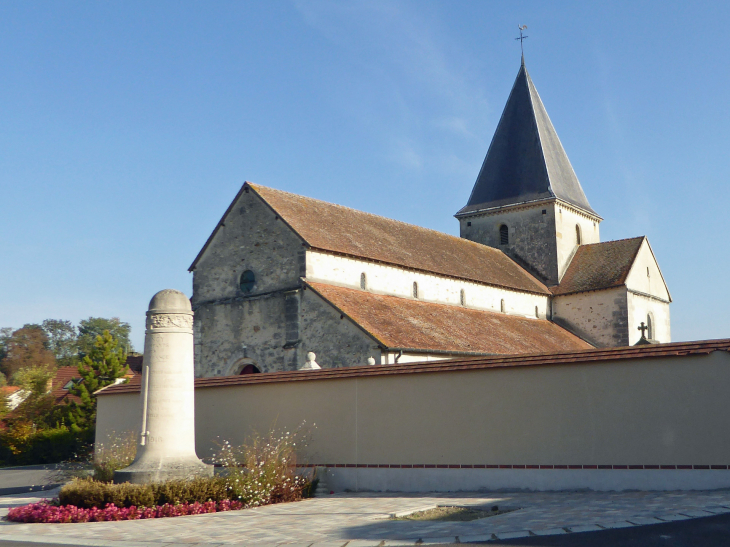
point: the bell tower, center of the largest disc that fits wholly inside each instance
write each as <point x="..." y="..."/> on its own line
<point x="527" y="200"/>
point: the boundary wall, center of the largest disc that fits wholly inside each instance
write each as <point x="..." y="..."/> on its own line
<point x="648" y="418"/>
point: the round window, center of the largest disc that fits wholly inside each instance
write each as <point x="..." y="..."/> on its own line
<point x="248" y="280"/>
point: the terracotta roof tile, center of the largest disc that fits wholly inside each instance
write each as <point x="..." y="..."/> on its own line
<point x="596" y="356"/>
<point x="329" y="227"/>
<point x="599" y="266"/>
<point x="407" y="323"/>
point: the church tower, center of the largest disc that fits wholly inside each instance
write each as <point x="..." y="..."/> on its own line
<point x="527" y="200"/>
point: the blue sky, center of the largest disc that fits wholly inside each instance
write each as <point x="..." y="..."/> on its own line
<point x="127" y="127"/>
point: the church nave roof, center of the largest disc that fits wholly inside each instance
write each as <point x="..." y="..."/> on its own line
<point x="401" y="323"/>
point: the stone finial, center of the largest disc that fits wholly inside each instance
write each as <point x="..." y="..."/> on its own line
<point x="371" y="361"/>
<point x="311" y="364"/>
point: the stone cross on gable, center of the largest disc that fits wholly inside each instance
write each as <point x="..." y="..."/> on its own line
<point x="643" y="328"/>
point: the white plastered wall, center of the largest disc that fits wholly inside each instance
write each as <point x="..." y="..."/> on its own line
<point x="391" y="280"/>
<point x="648" y="296"/>
<point x="566" y="220"/>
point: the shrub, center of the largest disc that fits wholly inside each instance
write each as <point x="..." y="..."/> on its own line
<point x="263" y="470"/>
<point x="21" y="447"/>
<point x="87" y="493"/>
<point x="116" y="453"/>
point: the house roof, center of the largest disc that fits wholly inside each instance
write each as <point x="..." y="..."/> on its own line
<point x="334" y="228"/>
<point x="404" y="323"/>
<point x="63" y="376"/>
<point x="595" y="356"/>
<point x="599" y="266"/>
<point x="526" y="160"/>
<point x="8" y="390"/>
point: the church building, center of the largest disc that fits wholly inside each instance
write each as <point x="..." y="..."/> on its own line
<point x="283" y="275"/>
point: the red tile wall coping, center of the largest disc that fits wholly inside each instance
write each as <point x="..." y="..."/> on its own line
<point x="501" y="466"/>
<point x="676" y="349"/>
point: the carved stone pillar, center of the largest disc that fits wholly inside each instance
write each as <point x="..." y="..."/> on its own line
<point x="166" y="448"/>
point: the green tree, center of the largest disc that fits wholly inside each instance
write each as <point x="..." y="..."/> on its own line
<point x="62" y="341"/>
<point x="99" y="368"/>
<point x="92" y="327"/>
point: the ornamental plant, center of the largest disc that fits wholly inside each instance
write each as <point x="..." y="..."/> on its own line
<point x="263" y="470"/>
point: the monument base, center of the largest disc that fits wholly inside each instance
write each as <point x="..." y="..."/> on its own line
<point x="146" y="472"/>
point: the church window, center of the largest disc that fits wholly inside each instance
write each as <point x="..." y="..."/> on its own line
<point x="537" y="312"/>
<point x="248" y="280"/>
<point x="468" y="223"/>
<point x="577" y="234"/>
<point x="544" y="211"/>
<point x="503" y="235"/>
<point x="462" y="297"/>
<point x="648" y="274"/>
<point x="363" y="281"/>
<point x="249" y="369"/>
<point x="650" y="328"/>
<point x="502" y="307"/>
<point x="415" y="290"/>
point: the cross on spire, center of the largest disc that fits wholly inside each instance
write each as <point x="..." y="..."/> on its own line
<point x="522" y="39"/>
<point x="643" y="328"/>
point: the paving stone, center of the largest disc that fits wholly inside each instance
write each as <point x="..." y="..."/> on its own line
<point x="435" y="540"/>
<point x="585" y="528"/>
<point x="670" y="518"/>
<point x="641" y="521"/>
<point x="476" y="539"/>
<point x="616" y="524"/>
<point x="549" y="532"/>
<point x="696" y="514"/>
<point x="511" y="535"/>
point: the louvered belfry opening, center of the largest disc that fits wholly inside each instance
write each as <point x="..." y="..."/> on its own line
<point x="503" y="235"/>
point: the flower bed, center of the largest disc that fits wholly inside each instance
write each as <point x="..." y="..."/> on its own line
<point x="47" y="512"/>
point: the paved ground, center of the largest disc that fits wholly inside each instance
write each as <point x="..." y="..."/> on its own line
<point x="30" y="478"/>
<point x="362" y="520"/>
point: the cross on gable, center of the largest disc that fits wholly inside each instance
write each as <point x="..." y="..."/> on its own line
<point x="643" y="328"/>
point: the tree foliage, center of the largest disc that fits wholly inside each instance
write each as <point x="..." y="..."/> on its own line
<point x="62" y="341"/>
<point x="99" y="368"/>
<point x="92" y="327"/>
<point x="26" y="347"/>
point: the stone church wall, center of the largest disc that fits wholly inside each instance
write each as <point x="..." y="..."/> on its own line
<point x="542" y="243"/>
<point x="259" y="327"/>
<point x="599" y="317"/>
<point x="335" y="340"/>
<point x="391" y="280"/>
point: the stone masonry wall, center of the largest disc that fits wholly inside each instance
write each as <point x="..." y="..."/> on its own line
<point x="599" y="317"/>
<point x="231" y="325"/>
<point x="542" y="237"/>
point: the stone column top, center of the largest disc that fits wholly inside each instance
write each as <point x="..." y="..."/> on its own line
<point x="170" y="301"/>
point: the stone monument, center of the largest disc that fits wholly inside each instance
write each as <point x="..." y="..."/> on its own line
<point x="166" y="448"/>
<point x="311" y="364"/>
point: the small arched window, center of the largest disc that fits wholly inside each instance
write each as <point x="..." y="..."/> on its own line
<point x="650" y="328"/>
<point x="537" y="312"/>
<point x="577" y="234"/>
<point x="503" y="235"/>
<point x="363" y="281"/>
<point x="247" y="281"/>
<point x="502" y="307"/>
<point x="462" y="297"/>
<point x="648" y="273"/>
<point x="249" y="369"/>
<point x="415" y="290"/>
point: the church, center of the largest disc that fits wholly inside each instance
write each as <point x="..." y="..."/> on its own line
<point x="283" y="275"/>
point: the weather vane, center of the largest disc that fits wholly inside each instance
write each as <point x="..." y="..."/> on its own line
<point x="521" y="38"/>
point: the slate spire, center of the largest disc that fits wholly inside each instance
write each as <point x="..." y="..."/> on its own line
<point x="525" y="161"/>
